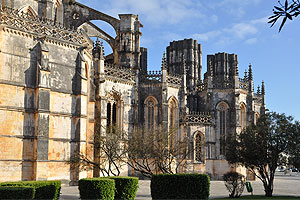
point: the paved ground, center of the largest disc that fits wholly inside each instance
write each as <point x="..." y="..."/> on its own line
<point x="283" y="185"/>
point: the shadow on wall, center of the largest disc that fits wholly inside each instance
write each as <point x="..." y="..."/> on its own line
<point x="30" y="118"/>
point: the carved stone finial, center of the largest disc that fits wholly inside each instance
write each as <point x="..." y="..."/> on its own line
<point x="98" y="51"/>
<point x="258" y="90"/>
<point x="101" y="50"/>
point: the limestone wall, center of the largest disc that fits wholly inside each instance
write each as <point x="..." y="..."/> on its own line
<point x="44" y="106"/>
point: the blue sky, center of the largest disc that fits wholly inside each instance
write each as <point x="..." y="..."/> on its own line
<point x="233" y="26"/>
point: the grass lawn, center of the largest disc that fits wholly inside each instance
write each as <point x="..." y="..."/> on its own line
<point x="262" y="197"/>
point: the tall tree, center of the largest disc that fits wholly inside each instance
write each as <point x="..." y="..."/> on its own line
<point x="294" y="146"/>
<point x="288" y="10"/>
<point x="263" y="147"/>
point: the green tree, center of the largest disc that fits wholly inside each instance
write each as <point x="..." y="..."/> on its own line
<point x="294" y="146"/>
<point x="263" y="147"/>
<point x="288" y="10"/>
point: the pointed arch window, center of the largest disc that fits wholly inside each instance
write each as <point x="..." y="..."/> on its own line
<point x="29" y="11"/>
<point x="173" y="113"/>
<point x="198" y="147"/>
<point x="243" y="116"/>
<point x="151" y="113"/>
<point x="222" y="109"/>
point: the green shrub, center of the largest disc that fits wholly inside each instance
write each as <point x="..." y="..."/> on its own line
<point x="180" y="186"/>
<point x="234" y="183"/>
<point x="126" y="187"/>
<point x="43" y="189"/>
<point x="96" y="188"/>
<point x="17" y="192"/>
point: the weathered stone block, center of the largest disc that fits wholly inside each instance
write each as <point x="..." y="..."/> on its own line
<point x="10" y="148"/>
<point x="11" y="123"/>
<point x="10" y="171"/>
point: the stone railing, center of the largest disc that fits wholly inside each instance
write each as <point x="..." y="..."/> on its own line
<point x="119" y="73"/>
<point x="243" y="84"/>
<point x="153" y="76"/>
<point x="226" y="84"/>
<point x="174" y="79"/>
<point x="43" y="27"/>
<point x="199" y="118"/>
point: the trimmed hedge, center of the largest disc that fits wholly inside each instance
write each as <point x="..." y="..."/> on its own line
<point x="126" y="187"/>
<point x="43" y="189"/>
<point x="17" y="192"/>
<point x="180" y="186"/>
<point x="96" y="188"/>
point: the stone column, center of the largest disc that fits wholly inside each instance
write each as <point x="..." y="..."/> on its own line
<point x="165" y="105"/>
<point x="79" y="110"/>
<point x="43" y="111"/>
<point x="100" y="104"/>
<point x="45" y="9"/>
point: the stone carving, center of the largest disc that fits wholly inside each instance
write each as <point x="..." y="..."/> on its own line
<point x="153" y="76"/>
<point x="174" y="79"/>
<point x="47" y="27"/>
<point x="119" y="73"/>
<point x="243" y="84"/>
<point x="199" y="118"/>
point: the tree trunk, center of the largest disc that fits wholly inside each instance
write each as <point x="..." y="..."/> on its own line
<point x="268" y="189"/>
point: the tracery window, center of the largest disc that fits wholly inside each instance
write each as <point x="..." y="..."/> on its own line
<point x="150" y="113"/>
<point x="114" y="112"/>
<point x="199" y="146"/>
<point x="243" y="116"/>
<point x="222" y="123"/>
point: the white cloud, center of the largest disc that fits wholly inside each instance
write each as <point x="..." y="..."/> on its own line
<point x="241" y="30"/>
<point x="214" y="18"/>
<point x="157" y="12"/>
<point x="207" y="36"/>
<point x="251" y="41"/>
<point x="235" y="8"/>
<point x="245" y="31"/>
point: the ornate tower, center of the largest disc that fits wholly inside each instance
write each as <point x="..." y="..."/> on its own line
<point x="129" y="41"/>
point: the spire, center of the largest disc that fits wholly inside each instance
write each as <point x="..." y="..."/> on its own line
<point x="245" y="75"/>
<point x="258" y="90"/>
<point x="263" y="92"/>
<point x="250" y="77"/>
<point x="164" y="62"/>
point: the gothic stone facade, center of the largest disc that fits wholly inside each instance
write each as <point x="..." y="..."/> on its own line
<point x="55" y="84"/>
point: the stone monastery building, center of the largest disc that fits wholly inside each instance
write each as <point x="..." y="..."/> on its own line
<point x="56" y="83"/>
